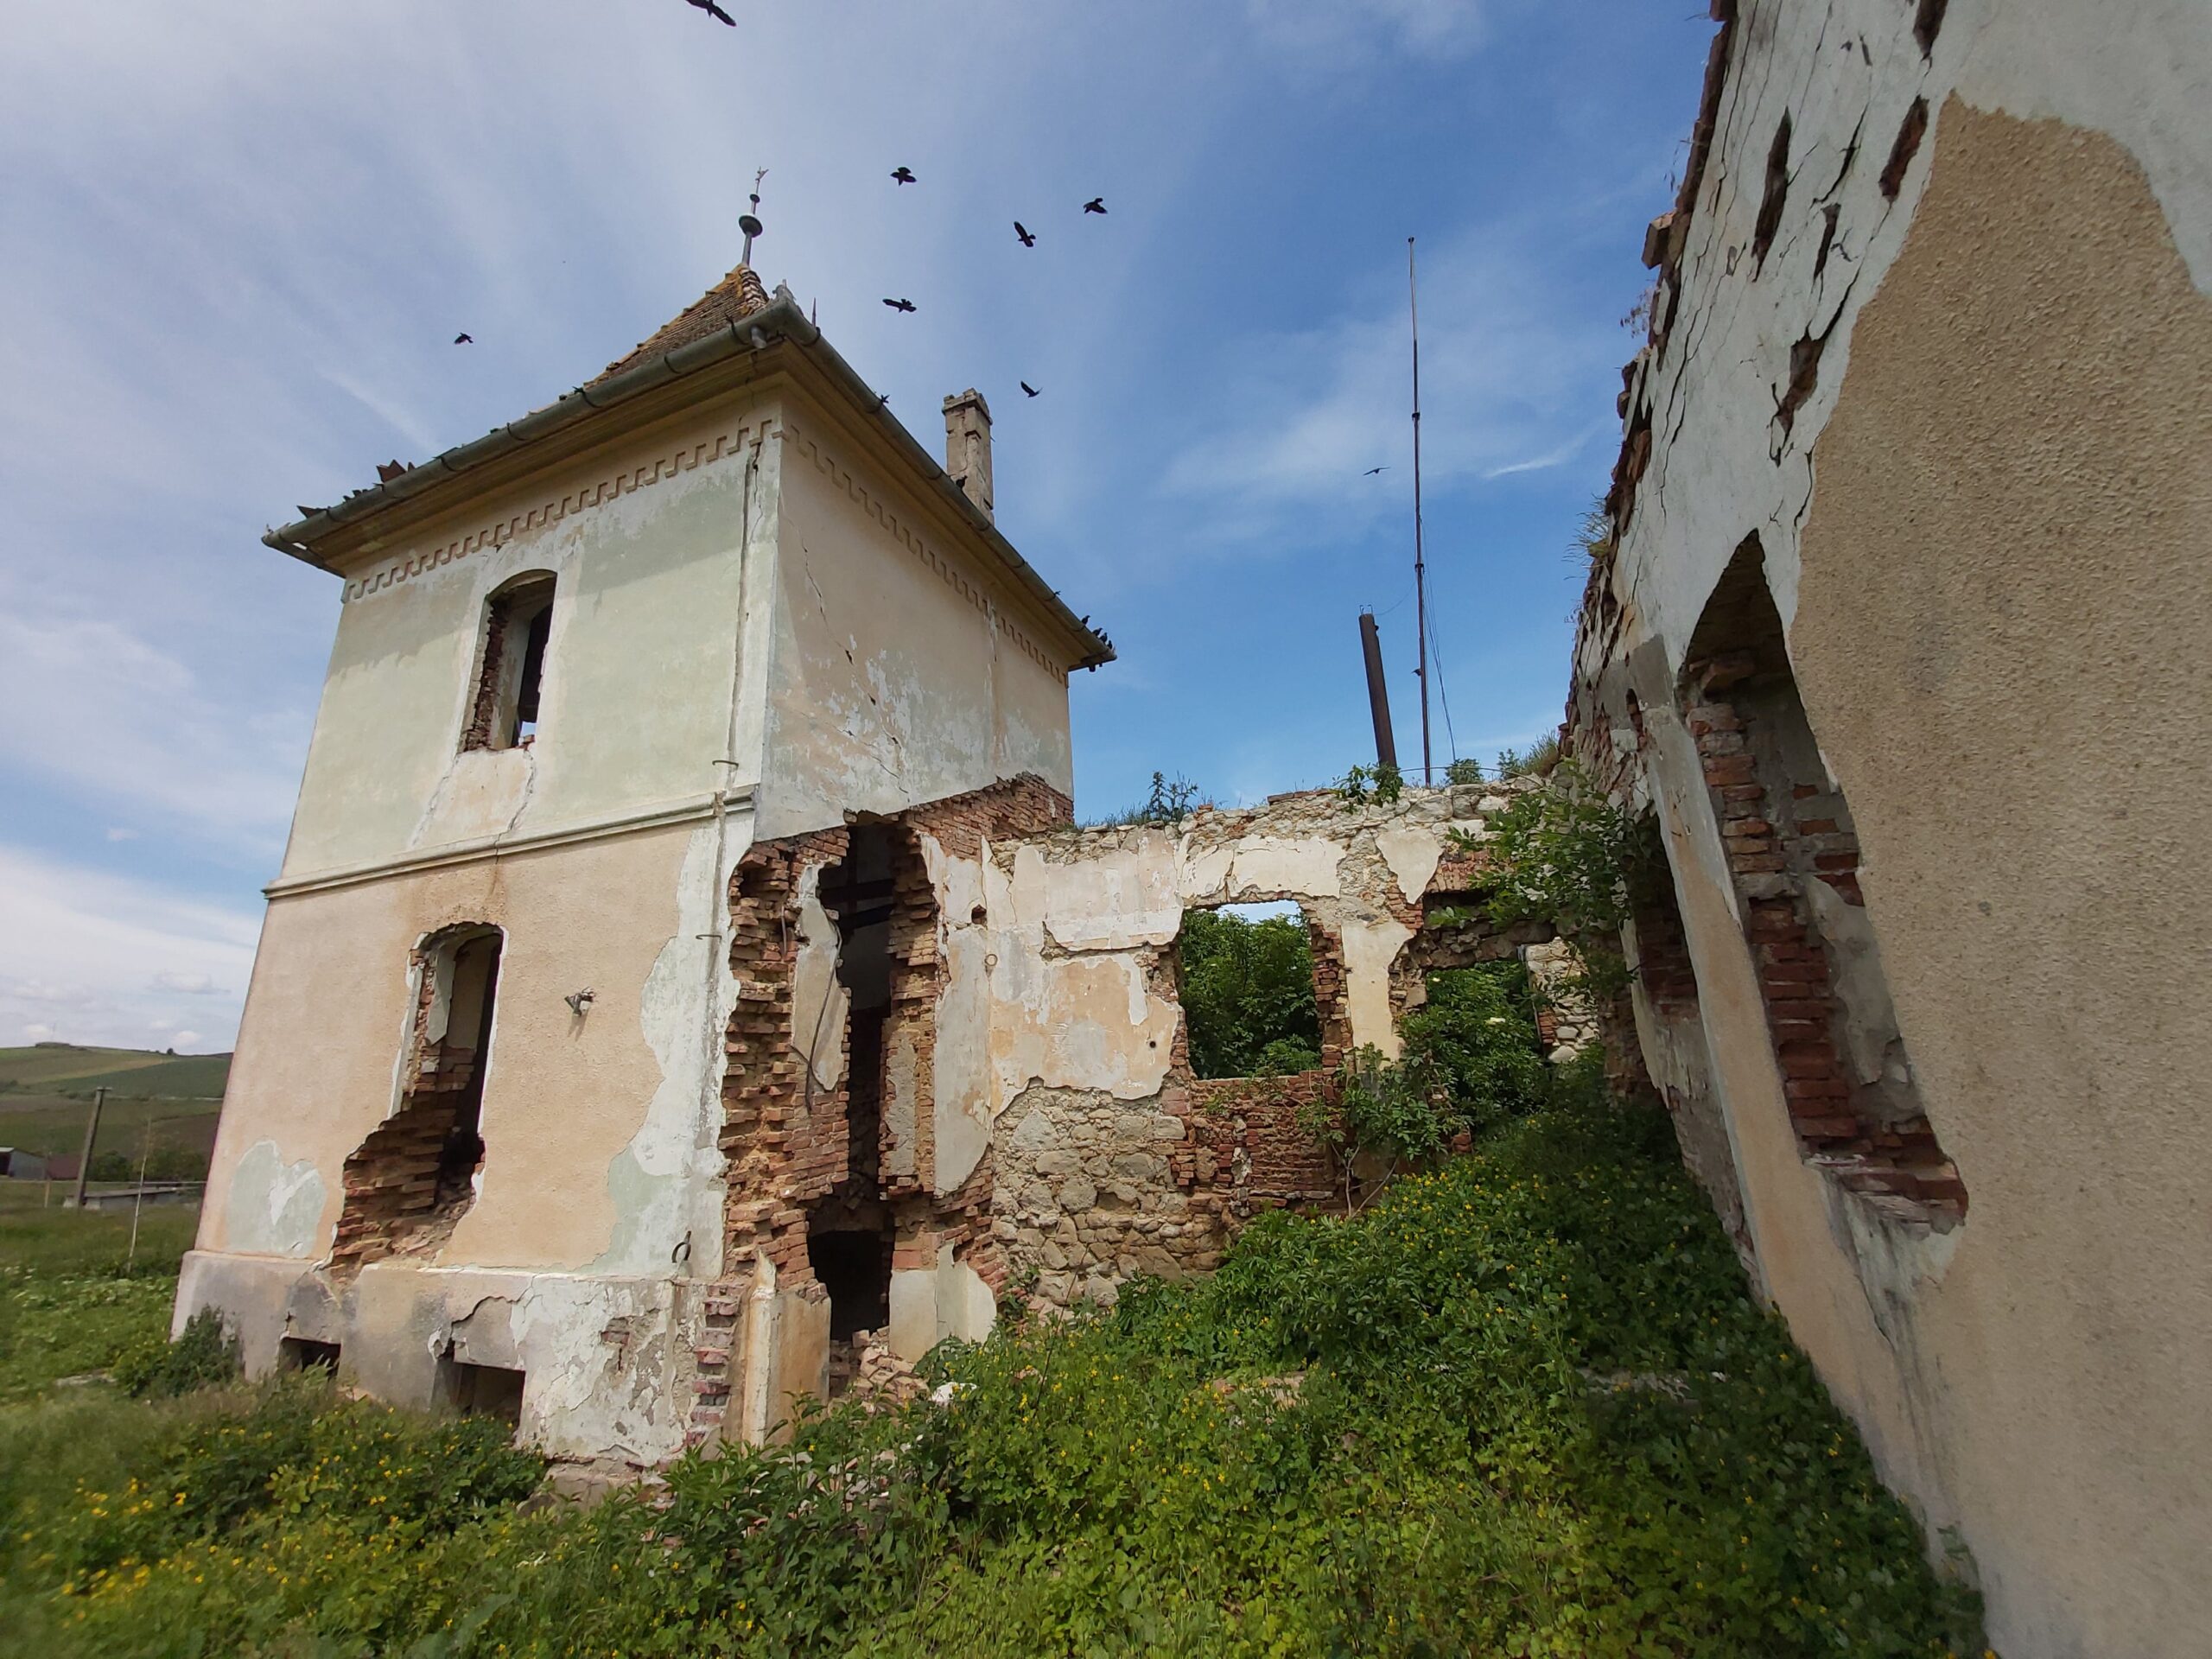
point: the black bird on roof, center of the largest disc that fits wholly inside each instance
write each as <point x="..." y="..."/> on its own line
<point x="900" y="305"/>
<point x="1031" y="389"/>
<point x="1022" y="231"/>
<point x="1373" y="470"/>
<point x="713" y="11"/>
<point x="903" y="175"/>
<point x="1095" y="205"/>
<point x="463" y="339"/>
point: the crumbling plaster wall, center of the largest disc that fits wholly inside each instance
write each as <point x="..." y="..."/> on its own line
<point x="601" y="1182"/>
<point x="1964" y="399"/>
<point x="600" y="852"/>
<point x="900" y="673"/>
<point x="1109" y="1158"/>
<point x="1041" y="1132"/>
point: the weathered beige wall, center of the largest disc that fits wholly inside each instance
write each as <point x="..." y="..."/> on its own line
<point x="2002" y="616"/>
<point x="1987" y="532"/>
<point x="646" y="540"/>
<point x="598" y="1143"/>
<point x="896" y="678"/>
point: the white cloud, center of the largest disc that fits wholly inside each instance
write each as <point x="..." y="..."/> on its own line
<point x="119" y="720"/>
<point x="186" y="1039"/>
<point x="1298" y="418"/>
<point x="37" y="1033"/>
<point x="187" y="984"/>
<point x="73" y="941"/>
<point x="117" y="832"/>
<point x="1437" y="28"/>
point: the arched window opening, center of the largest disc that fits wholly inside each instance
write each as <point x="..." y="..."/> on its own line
<point x="1793" y="855"/>
<point x="510" y="665"/>
<point x="415" y="1176"/>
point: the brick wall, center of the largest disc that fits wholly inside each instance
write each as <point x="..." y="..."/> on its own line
<point x="1783" y="834"/>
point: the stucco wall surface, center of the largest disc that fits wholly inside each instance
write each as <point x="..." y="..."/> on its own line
<point x="597" y="1129"/>
<point x="898" y="675"/>
<point x="646" y="540"/>
<point x="1959" y="386"/>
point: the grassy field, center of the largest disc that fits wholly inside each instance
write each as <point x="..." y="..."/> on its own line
<point x="161" y="1104"/>
<point x="64" y="1068"/>
<point x="54" y="1125"/>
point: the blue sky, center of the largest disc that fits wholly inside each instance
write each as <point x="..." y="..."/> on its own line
<point x="241" y="237"/>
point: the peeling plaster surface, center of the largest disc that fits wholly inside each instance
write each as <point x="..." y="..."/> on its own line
<point x="1979" y="528"/>
<point x="274" y="1205"/>
<point x="1412" y="856"/>
<point x="929" y="1304"/>
<point x="963" y="1083"/>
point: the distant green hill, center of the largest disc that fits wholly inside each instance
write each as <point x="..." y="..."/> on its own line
<point x="126" y="1073"/>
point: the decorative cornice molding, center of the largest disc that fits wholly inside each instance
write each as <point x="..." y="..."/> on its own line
<point x="696" y="809"/>
<point x="953" y="575"/>
<point x="684" y="459"/>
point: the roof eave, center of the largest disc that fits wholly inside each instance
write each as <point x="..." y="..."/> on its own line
<point x="782" y="318"/>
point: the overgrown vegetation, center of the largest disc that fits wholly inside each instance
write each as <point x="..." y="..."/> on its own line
<point x="1169" y="803"/>
<point x="1565" y="855"/>
<point x="1469" y="1058"/>
<point x="1382" y="784"/>
<point x="1537" y="760"/>
<point x="1248" y="995"/>
<point x="1521" y="1405"/>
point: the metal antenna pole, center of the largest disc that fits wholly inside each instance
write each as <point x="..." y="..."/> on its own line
<point x="1421" y="574"/>
<point x="750" y="223"/>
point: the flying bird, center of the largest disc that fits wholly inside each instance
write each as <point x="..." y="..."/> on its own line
<point x="463" y="339"/>
<point x="900" y="305"/>
<point x="1095" y="205"/>
<point x="713" y="11"/>
<point x="1022" y="231"/>
<point x="903" y="175"/>
<point x="1373" y="470"/>
<point x="1031" y="389"/>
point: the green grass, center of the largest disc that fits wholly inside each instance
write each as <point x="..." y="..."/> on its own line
<point x="65" y="1068"/>
<point x="69" y="1304"/>
<point x="55" y="1124"/>
<point x="1523" y="1405"/>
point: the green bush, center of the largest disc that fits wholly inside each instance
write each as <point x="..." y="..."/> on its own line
<point x="204" y="1355"/>
<point x="1248" y="995"/>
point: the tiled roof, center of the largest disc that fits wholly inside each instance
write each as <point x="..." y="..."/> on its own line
<point x="738" y="295"/>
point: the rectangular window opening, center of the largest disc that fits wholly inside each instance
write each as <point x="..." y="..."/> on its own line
<point x="1247" y="982"/>
<point x="511" y="666"/>
<point x="483" y="1391"/>
<point x="303" y="1354"/>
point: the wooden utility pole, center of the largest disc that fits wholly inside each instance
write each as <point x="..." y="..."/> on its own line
<point x="92" y="1134"/>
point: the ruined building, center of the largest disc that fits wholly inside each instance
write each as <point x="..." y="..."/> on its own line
<point x="1909" y="571"/>
<point x="684" y="964"/>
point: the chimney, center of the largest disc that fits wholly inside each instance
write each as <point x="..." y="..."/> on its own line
<point x="967" y="446"/>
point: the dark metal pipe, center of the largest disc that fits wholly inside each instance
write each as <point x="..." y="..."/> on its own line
<point x="1378" y="695"/>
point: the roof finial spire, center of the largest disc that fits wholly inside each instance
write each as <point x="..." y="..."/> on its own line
<point x="750" y="223"/>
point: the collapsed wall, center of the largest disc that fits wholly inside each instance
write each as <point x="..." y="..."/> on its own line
<point x="1904" y="560"/>
<point x="959" y="1068"/>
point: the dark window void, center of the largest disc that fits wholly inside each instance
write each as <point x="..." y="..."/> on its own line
<point x="1245" y="975"/>
<point x="413" y="1177"/>
<point x="854" y="1267"/>
<point x="510" y="665"/>
<point x="482" y="1391"/>
<point x="299" y="1354"/>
